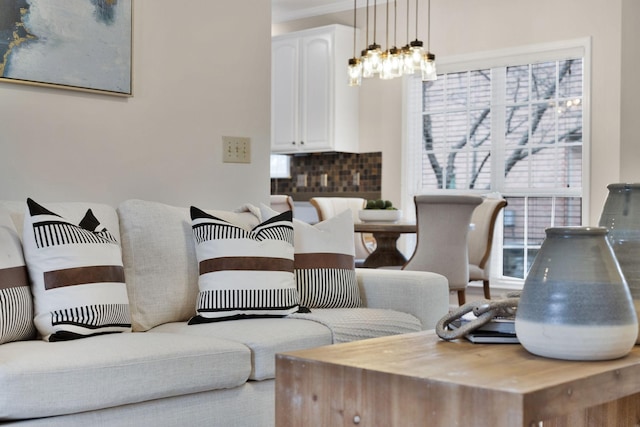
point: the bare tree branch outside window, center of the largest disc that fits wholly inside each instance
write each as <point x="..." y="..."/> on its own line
<point x="529" y="114"/>
<point x="544" y="90"/>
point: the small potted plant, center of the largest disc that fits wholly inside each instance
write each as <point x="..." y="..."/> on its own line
<point x="379" y="210"/>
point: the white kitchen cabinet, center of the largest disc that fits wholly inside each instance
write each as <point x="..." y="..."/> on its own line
<point x="313" y="109"/>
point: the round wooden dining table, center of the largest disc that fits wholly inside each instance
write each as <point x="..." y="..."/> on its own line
<point x="386" y="235"/>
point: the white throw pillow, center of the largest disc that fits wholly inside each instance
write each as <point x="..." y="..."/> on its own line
<point x="16" y="303"/>
<point x="77" y="276"/>
<point x="243" y="272"/>
<point x="324" y="261"/>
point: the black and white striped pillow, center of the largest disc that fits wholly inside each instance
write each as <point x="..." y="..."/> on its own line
<point x="16" y="303"/>
<point x="325" y="263"/>
<point x="77" y="276"/>
<point x="244" y="273"/>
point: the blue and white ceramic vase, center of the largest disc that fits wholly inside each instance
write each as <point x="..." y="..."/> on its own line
<point x="575" y="304"/>
<point x="621" y="216"/>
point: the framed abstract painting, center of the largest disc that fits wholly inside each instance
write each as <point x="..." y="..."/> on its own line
<point x="74" y="44"/>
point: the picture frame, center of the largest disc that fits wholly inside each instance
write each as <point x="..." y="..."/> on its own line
<point x="84" y="45"/>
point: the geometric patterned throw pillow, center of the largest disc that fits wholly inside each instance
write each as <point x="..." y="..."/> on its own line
<point x="243" y="273"/>
<point x="77" y="276"/>
<point x="324" y="263"/>
<point x="16" y="303"/>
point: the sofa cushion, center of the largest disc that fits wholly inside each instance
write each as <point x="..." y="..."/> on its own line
<point x="161" y="269"/>
<point x="361" y="323"/>
<point x="77" y="276"/>
<point x="47" y="379"/>
<point x="249" y="405"/>
<point x="16" y="303"/>
<point x="265" y="338"/>
<point x="244" y="272"/>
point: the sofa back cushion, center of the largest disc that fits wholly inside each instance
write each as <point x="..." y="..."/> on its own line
<point x="16" y="303"/>
<point x="161" y="269"/>
<point x="76" y="273"/>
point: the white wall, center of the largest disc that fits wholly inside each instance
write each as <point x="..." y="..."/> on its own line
<point x="467" y="26"/>
<point x="195" y="80"/>
<point x="630" y="125"/>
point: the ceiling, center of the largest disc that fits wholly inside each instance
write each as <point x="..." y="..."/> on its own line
<point x="286" y="10"/>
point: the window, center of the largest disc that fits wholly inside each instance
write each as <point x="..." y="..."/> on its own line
<point x="280" y="166"/>
<point x="511" y="123"/>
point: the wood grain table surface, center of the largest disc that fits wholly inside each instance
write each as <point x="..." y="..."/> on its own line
<point x="419" y="379"/>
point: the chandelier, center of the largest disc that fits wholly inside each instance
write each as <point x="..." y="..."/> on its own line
<point x="393" y="62"/>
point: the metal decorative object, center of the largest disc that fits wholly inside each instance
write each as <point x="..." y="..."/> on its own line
<point x="484" y="310"/>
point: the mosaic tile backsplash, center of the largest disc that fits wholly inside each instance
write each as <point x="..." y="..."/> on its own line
<point x="315" y="174"/>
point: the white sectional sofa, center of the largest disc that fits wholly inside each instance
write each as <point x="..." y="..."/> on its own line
<point x="169" y="373"/>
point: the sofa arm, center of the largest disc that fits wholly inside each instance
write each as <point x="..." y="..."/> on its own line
<point x="422" y="294"/>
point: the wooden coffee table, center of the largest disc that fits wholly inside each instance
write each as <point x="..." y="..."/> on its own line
<point x="418" y="379"/>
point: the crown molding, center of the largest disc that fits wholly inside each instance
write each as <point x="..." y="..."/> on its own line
<point x="333" y="7"/>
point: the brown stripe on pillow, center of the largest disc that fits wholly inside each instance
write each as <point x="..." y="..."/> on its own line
<point x="323" y="260"/>
<point x="13" y="277"/>
<point x="246" y="263"/>
<point x="83" y="276"/>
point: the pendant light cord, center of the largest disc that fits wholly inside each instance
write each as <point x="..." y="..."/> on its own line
<point x="416" y="19"/>
<point x="367" y="38"/>
<point x="428" y="25"/>
<point x="387" y="30"/>
<point x="408" y="22"/>
<point x="354" y="27"/>
<point x="395" y="23"/>
<point x="375" y="19"/>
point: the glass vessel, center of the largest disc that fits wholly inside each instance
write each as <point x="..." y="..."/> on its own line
<point x="621" y="216"/>
<point x="575" y="304"/>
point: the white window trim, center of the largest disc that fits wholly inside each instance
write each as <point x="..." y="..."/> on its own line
<point x="554" y="51"/>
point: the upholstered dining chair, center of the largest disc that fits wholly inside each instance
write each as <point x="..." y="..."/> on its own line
<point x="281" y="202"/>
<point x="480" y="240"/>
<point x="328" y="207"/>
<point x="443" y="223"/>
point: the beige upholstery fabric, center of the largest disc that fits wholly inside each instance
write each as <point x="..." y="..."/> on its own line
<point x="328" y="207"/>
<point x="422" y="294"/>
<point x="351" y="324"/>
<point x="166" y="379"/>
<point x="114" y="369"/>
<point x="247" y="406"/>
<point x="265" y="338"/>
<point x="480" y="239"/>
<point x="476" y="273"/>
<point x="281" y="202"/>
<point x="442" y="230"/>
<point x="161" y="269"/>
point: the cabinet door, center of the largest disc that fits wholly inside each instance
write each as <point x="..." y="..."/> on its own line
<point x="316" y="99"/>
<point x="284" y="95"/>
